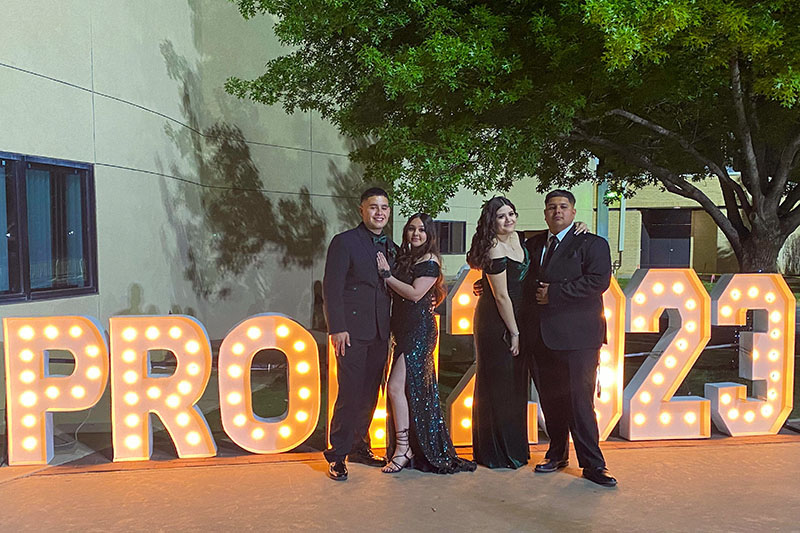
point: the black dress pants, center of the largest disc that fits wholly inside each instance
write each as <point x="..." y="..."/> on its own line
<point x="566" y="382"/>
<point x="359" y="373"/>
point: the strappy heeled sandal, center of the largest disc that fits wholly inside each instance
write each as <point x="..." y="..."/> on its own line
<point x="401" y="439"/>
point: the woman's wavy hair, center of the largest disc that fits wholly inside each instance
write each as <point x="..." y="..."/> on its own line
<point x="485" y="235"/>
<point x="408" y="256"/>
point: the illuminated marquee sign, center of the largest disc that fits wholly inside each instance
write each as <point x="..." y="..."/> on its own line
<point x="135" y="392"/>
<point x="650" y="411"/>
<point x="243" y="426"/>
<point x="647" y="409"/>
<point x="612" y="358"/>
<point x="766" y="354"/>
<point x="33" y="395"/>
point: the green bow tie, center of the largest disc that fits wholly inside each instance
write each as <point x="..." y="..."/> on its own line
<point x="379" y="239"/>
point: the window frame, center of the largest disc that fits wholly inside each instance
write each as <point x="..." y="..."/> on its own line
<point x="89" y="217"/>
<point x="439" y="226"/>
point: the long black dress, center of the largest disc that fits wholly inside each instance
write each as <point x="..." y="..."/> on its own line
<point x="499" y="411"/>
<point x="415" y="333"/>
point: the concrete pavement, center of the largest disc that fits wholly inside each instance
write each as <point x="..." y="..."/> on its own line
<point x="717" y="485"/>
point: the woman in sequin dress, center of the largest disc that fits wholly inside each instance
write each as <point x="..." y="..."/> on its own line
<point x="418" y="435"/>
<point x="499" y="411"/>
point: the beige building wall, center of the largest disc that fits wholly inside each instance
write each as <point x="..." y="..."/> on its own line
<point x="656" y="197"/>
<point x="704" y="232"/>
<point x="205" y="205"/>
<point x="188" y="179"/>
<point x="625" y="258"/>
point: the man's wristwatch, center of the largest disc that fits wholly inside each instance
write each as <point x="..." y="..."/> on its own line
<point x="385" y="273"/>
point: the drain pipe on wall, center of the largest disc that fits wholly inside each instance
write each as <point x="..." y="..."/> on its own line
<point x="621" y="230"/>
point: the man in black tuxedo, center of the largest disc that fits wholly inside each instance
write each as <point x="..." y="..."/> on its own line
<point x="357" y="305"/>
<point x="563" y="330"/>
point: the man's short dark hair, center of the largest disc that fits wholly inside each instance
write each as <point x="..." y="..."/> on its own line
<point x="562" y="193"/>
<point x="373" y="191"/>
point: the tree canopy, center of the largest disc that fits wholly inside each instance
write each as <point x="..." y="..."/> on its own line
<point x="462" y="93"/>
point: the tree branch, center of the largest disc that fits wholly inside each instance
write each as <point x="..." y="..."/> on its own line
<point x="790" y="222"/>
<point x="732" y="208"/>
<point x="728" y="185"/>
<point x="785" y="166"/>
<point x="671" y="135"/>
<point x="671" y="181"/>
<point x="750" y="175"/>
<point x="754" y="118"/>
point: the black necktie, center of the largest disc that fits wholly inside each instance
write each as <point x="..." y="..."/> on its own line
<point x="551" y="248"/>
<point x="379" y="239"/>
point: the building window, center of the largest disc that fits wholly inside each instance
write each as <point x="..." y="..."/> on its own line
<point x="452" y="236"/>
<point x="47" y="228"/>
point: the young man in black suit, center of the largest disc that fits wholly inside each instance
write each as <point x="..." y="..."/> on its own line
<point x="357" y="305"/>
<point x="563" y="330"/>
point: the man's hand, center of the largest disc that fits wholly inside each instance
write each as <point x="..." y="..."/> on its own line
<point x="541" y="293"/>
<point x="477" y="287"/>
<point x="339" y="341"/>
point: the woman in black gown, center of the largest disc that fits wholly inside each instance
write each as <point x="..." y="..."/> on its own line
<point x="418" y="434"/>
<point x="499" y="411"/>
<point x="502" y="381"/>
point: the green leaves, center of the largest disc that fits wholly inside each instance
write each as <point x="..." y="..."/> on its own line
<point x="713" y="31"/>
<point x="443" y="94"/>
<point x="784" y="86"/>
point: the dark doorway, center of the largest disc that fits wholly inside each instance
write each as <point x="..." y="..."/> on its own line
<point x="666" y="238"/>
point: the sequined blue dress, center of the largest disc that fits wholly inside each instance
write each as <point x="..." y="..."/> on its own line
<point x="499" y="411"/>
<point x="414" y="332"/>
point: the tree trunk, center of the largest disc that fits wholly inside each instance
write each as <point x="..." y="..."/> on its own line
<point x="760" y="251"/>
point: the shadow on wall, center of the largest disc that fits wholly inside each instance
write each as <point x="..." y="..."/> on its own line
<point x="221" y="210"/>
<point x="137" y="305"/>
<point x="318" y="321"/>
<point x="347" y="186"/>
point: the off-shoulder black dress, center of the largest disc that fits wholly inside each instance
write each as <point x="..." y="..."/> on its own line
<point x="499" y="410"/>
<point x="415" y="333"/>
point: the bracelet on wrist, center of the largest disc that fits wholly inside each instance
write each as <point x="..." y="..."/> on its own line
<point x="385" y="273"/>
<point x="514" y="334"/>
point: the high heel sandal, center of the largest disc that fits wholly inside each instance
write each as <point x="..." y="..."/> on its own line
<point x="401" y="439"/>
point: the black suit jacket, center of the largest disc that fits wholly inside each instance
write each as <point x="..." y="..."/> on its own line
<point x="579" y="273"/>
<point x="356" y="299"/>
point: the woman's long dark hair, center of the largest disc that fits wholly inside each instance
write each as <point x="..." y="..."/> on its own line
<point x="408" y="256"/>
<point x="485" y="235"/>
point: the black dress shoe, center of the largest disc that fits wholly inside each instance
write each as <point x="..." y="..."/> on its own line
<point x="337" y="470"/>
<point x="549" y="465"/>
<point x="600" y="475"/>
<point x="366" y="457"/>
